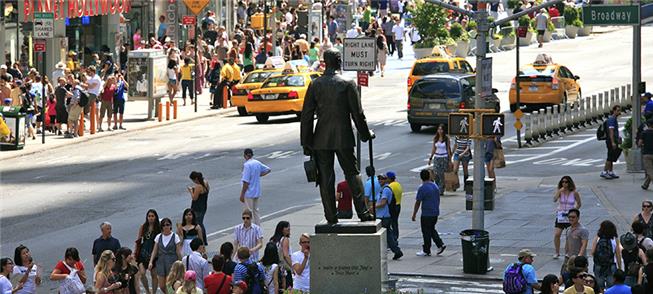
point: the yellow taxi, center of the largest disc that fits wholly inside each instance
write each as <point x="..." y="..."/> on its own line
<point x="544" y="84"/>
<point x="280" y="94"/>
<point x="438" y="62"/>
<point x="252" y="81"/>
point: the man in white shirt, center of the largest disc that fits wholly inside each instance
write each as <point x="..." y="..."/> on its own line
<point x="541" y="20"/>
<point x="301" y="265"/>
<point x="248" y="235"/>
<point x="94" y="86"/>
<point x="289" y="16"/>
<point x="398" y="32"/>
<point x="253" y="170"/>
<point x="353" y="32"/>
<point x="196" y="262"/>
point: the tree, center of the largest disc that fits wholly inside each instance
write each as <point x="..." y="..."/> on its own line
<point x="430" y="21"/>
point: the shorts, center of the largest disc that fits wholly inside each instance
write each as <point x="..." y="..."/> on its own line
<point x="106" y="108"/>
<point x="540" y="32"/>
<point x="172" y="82"/>
<point x="62" y="114"/>
<point x="561" y="226"/>
<point x="488" y="157"/>
<point x="464" y="158"/>
<point x="74" y="112"/>
<point x="613" y="153"/>
<point x="39" y="117"/>
<point x="118" y="106"/>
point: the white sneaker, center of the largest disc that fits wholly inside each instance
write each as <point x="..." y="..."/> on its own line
<point x="422" y="253"/>
<point x="604" y="175"/>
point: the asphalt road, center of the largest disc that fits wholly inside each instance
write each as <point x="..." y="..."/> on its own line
<point x="57" y="199"/>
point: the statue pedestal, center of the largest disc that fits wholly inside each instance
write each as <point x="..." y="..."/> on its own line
<point x="349" y="257"/>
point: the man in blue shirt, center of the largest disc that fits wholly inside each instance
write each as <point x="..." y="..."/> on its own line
<point x="383" y="214"/>
<point x="428" y="194"/>
<point x="525" y="258"/>
<point x="332" y="29"/>
<point x="253" y="170"/>
<point x="368" y="191"/>
<point x="612" y="143"/>
<point x="648" y="105"/>
<point x="618" y="286"/>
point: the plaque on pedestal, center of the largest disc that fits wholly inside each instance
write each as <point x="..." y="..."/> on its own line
<point x="349" y="257"/>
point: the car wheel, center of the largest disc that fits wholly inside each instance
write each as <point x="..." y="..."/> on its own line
<point x="513" y="107"/>
<point x="242" y="111"/>
<point x="262" y="118"/>
<point x="415" y="128"/>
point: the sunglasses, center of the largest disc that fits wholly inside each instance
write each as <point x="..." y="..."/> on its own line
<point x="246" y="217"/>
<point x="646" y="206"/>
<point x="580" y="276"/>
<point x="167" y="225"/>
<point x="305" y="242"/>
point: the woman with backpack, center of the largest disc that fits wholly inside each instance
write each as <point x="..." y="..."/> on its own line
<point x="606" y="250"/>
<point x="270" y="264"/>
<point x="633" y="257"/>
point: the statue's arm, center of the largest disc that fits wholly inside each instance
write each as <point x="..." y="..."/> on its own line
<point x="308" y="112"/>
<point x="357" y="111"/>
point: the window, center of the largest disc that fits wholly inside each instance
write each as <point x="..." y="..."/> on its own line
<point x="537" y="71"/>
<point x="284" y="81"/>
<point x="427" y="68"/>
<point x="436" y="89"/>
<point x="259" y="77"/>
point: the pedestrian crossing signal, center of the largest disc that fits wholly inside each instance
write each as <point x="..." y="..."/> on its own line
<point x="493" y="124"/>
<point x="460" y="124"/>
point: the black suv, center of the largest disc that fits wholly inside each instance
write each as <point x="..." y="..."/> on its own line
<point x="433" y="97"/>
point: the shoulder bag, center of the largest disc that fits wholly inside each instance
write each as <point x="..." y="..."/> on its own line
<point x="72" y="284"/>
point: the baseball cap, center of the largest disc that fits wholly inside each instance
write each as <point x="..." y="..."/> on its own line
<point x="190" y="276"/>
<point x="3" y="66"/>
<point x="526" y="253"/>
<point x="7" y="100"/>
<point x="648" y="94"/>
<point x="391" y="175"/>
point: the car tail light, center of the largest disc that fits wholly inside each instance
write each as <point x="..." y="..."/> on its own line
<point x="409" y="82"/>
<point x="293" y="95"/>
<point x="461" y="105"/>
<point x="408" y="105"/>
<point x="513" y="85"/>
<point x="555" y="84"/>
<point x="250" y="97"/>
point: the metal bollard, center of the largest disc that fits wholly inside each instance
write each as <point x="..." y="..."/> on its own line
<point x="581" y="112"/>
<point x="160" y="111"/>
<point x="613" y="98"/>
<point x="600" y="107"/>
<point x="563" y="118"/>
<point x="594" y="112"/>
<point x="588" y="109"/>
<point x="535" y="122"/>
<point x="629" y="91"/>
<point x="528" y="128"/>
<point x="556" y="119"/>
<point x="167" y="110"/>
<point x="80" y="129"/>
<point x="549" y="122"/>
<point x="608" y="105"/>
<point x="623" y="97"/>
<point x="543" y="125"/>
<point x="174" y="109"/>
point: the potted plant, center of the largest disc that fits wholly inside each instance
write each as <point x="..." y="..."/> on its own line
<point x="508" y="34"/>
<point x="496" y="41"/>
<point x="461" y="37"/>
<point x="472" y="26"/>
<point x="571" y="17"/>
<point x="525" y="22"/>
<point x="512" y="4"/>
<point x="548" y="34"/>
<point x="430" y="22"/>
<point x="584" y="30"/>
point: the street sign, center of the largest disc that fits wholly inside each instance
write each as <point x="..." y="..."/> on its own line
<point x="460" y="124"/>
<point x="43" y="25"/>
<point x="486" y="77"/>
<point x="492" y="124"/>
<point x="522" y="32"/>
<point x="363" y="78"/>
<point x="188" y="20"/>
<point x="518" y="114"/>
<point x="39" y="45"/>
<point x="518" y="125"/>
<point x="359" y="54"/>
<point x="609" y="15"/>
<point x="196" y="6"/>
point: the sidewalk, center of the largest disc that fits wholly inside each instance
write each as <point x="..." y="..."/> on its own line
<point x="513" y="225"/>
<point x="135" y="118"/>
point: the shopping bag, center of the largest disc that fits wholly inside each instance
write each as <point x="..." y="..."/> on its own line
<point x="451" y="181"/>
<point x="4" y="129"/>
<point x="499" y="159"/>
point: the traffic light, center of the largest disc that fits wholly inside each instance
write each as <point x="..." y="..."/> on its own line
<point x="460" y="124"/>
<point x="492" y="124"/>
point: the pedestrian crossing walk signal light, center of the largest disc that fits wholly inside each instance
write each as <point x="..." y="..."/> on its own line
<point x="460" y="124"/>
<point x="493" y="124"/>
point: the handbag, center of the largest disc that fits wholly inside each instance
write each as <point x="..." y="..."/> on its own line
<point x="499" y="159"/>
<point x="561" y="217"/>
<point x="138" y="246"/>
<point x="451" y="181"/>
<point x="310" y="168"/>
<point x="72" y="284"/>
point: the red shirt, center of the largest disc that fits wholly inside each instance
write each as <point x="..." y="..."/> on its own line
<point x="107" y="95"/>
<point x="344" y="204"/>
<point x="64" y="269"/>
<point x="212" y="283"/>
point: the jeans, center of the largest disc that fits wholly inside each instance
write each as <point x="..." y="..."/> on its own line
<point x="199" y="217"/>
<point x="604" y="274"/>
<point x="400" y="46"/>
<point x="391" y="44"/>
<point x="394" y="216"/>
<point x="427" y="223"/>
<point x="187" y="85"/>
<point x="386" y="222"/>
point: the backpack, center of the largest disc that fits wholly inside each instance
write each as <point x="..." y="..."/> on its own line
<point x="514" y="281"/>
<point x="632" y="262"/>
<point x="601" y="132"/>
<point x="392" y="205"/>
<point x="604" y="255"/>
<point x="83" y="98"/>
<point x="255" y="280"/>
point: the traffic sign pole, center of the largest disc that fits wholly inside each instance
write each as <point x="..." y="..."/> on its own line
<point x="517" y="90"/>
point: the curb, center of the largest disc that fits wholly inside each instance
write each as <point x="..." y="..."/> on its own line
<point x="107" y="134"/>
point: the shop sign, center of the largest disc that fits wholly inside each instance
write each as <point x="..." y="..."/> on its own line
<point x="74" y="8"/>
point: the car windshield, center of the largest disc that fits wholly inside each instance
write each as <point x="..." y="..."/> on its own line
<point x="537" y="71"/>
<point x="435" y="88"/>
<point x="259" y="76"/>
<point x="427" y="68"/>
<point x="284" y="81"/>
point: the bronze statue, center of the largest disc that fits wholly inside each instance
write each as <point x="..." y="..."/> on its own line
<point x="335" y="100"/>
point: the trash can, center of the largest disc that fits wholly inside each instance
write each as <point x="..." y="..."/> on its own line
<point x="476" y="251"/>
<point x="16" y="123"/>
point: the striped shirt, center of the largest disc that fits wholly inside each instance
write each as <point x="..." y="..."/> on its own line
<point x="247" y="237"/>
<point x="462" y="144"/>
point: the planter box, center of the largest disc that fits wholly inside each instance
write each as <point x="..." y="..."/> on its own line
<point x="508" y="43"/>
<point x="571" y="31"/>
<point x="548" y="36"/>
<point x="462" y="48"/>
<point x="526" y="41"/>
<point x="422" y="52"/>
<point x="585" y="31"/>
<point x="496" y="43"/>
<point x="451" y="49"/>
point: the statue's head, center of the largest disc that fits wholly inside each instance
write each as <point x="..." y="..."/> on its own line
<point x="332" y="59"/>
